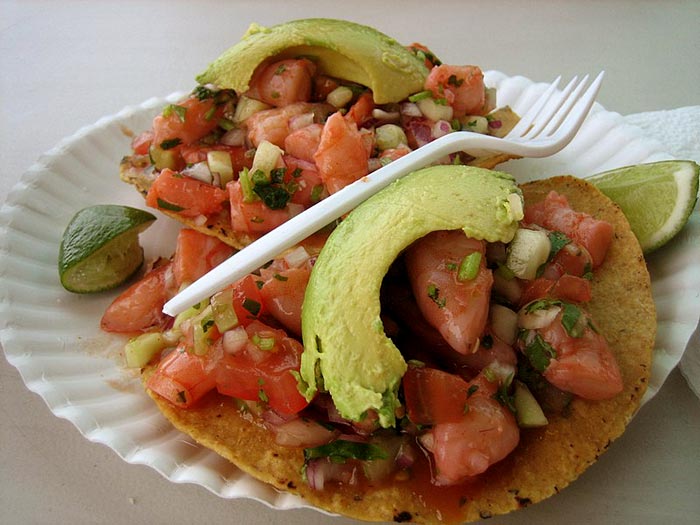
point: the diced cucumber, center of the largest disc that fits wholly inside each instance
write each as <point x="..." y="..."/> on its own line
<point x="162" y="158"/>
<point x="528" y="412"/>
<point x="339" y="97"/>
<point x="389" y="136"/>
<point x="222" y="308"/>
<point x="201" y="326"/>
<point x="528" y="250"/>
<point x="266" y="158"/>
<point x="220" y="162"/>
<point x="246" y="107"/>
<point x="140" y="350"/>
<point x="435" y="111"/>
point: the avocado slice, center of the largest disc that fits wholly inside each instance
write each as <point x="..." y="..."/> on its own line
<point x="346" y="351"/>
<point x="339" y="48"/>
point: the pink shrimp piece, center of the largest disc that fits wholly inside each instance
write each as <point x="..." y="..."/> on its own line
<point x="486" y="434"/>
<point x="585" y="365"/>
<point x="342" y="156"/>
<point x="282" y="83"/>
<point x="554" y="213"/>
<point x="461" y="86"/>
<point x="458" y="309"/>
<point x="303" y="142"/>
<point x="275" y="124"/>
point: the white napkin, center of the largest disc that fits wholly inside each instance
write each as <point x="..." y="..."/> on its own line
<point x="678" y="130"/>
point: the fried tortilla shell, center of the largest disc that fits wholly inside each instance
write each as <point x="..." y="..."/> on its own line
<point x="546" y="460"/>
<point x="137" y="171"/>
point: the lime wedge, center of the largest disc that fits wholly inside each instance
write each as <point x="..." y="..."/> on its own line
<point x="657" y="198"/>
<point x="100" y="248"/>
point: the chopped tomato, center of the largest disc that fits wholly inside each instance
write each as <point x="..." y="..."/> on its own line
<point x="433" y="396"/>
<point x="239" y="155"/>
<point x="536" y="289"/>
<point x="282" y="83"/>
<point x="141" y="143"/>
<point x="555" y="213"/>
<point x="264" y="370"/>
<point x="196" y="254"/>
<point x="185" y="126"/>
<point x="184" y="195"/>
<point x="341" y="157"/>
<point x="572" y="288"/>
<point x="253" y="217"/>
<point x="247" y="300"/>
<point x="183" y="378"/>
<point x="283" y="295"/>
<point x="461" y="86"/>
<point x="304" y="175"/>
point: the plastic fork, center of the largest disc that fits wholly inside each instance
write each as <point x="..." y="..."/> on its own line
<point x="546" y="128"/>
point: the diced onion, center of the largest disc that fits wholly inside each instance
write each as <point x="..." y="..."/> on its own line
<point x="296" y="257"/>
<point x="410" y="109"/>
<point x="441" y="128"/>
<point x="234" y="137"/>
<point x="435" y="111"/>
<point x="385" y="116"/>
<point x="538" y="318"/>
<point x="199" y="171"/>
<point x="235" y="340"/>
<point x="295" y="208"/>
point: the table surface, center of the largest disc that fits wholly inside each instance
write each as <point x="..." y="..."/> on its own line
<point x="65" y="64"/>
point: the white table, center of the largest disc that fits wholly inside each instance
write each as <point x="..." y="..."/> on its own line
<point x="65" y="64"/>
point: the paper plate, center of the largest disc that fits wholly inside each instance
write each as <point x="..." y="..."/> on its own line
<point x="53" y="338"/>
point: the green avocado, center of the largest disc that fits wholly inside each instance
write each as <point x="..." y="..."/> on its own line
<point x="340" y="49"/>
<point x="346" y="351"/>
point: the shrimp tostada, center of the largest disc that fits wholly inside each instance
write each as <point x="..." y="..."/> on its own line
<point x="458" y="347"/>
<point x="295" y="112"/>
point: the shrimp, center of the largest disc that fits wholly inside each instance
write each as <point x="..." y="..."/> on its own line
<point x="580" y="360"/>
<point x="554" y="213"/>
<point x="342" y="156"/>
<point x="485" y="434"/>
<point x="275" y="124"/>
<point x="461" y="86"/>
<point x="458" y="309"/>
<point x="284" y="82"/>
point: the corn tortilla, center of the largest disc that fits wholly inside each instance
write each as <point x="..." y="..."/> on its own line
<point x="546" y="460"/>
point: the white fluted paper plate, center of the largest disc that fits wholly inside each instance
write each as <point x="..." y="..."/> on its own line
<point x="53" y="338"/>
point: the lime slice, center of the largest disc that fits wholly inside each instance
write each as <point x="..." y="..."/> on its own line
<point x="100" y="248"/>
<point x="657" y="198"/>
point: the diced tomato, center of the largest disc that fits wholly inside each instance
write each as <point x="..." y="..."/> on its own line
<point x="253" y="217"/>
<point x="140" y="307"/>
<point x="184" y="195"/>
<point x="183" y="378"/>
<point x="247" y="300"/>
<point x="264" y="374"/>
<point x="554" y="213"/>
<point x="536" y="289"/>
<point x="196" y="254"/>
<point x="283" y="295"/>
<point x="282" y="83"/>
<point x="341" y="157"/>
<point x="361" y="111"/>
<point x="433" y="396"/>
<point x="572" y="288"/>
<point x="141" y="143"/>
<point x="304" y="142"/>
<point x="572" y="259"/>
<point x="239" y="155"/>
<point x="199" y="118"/>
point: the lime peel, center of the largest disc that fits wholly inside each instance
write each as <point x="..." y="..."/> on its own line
<point x="100" y="247"/>
<point x="657" y="198"/>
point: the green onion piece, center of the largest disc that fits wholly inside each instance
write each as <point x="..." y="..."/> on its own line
<point x="264" y="343"/>
<point x="202" y="325"/>
<point x="420" y="95"/>
<point x="247" y="186"/>
<point x="570" y="320"/>
<point x="539" y="352"/>
<point x="469" y="267"/>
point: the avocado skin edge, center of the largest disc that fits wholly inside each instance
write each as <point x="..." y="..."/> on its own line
<point x="346" y="352"/>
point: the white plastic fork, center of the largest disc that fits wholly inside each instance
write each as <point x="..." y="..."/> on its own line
<point x="546" y="128"/>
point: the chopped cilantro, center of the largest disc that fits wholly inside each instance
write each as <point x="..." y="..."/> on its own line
<point x="182" y="396"/>
<point x="472" y="390"/>
<point x="434" y="294"/>
<point x="340" y="450"/>
<point x="280" y="69"/>
<point x="540" y="352"/>
<point x="454" y="81"/>
<point x="280" y="277"/>
<point x="180" y="111"/>
<point x="165" y="205"/>
<point x="252" y="306"/>
<point x="557" y="240"/>
<point x="203" y="93"/>
<point x="420" y="95"/>
<point x="570" y="318"/>
<point x="274" y="197"/>
<point x="170" y="143"/>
